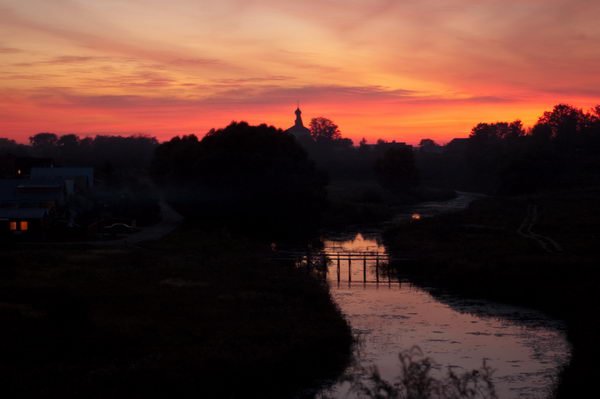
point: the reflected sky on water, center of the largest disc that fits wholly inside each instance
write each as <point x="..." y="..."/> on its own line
<point x="525" y="348"/>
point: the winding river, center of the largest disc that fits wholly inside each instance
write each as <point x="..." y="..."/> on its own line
<point x="525" y="348"/>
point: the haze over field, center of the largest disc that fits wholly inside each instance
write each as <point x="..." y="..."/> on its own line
<point x="379" y="68"/>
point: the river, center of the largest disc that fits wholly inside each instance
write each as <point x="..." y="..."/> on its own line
<point x="525" y="348"/>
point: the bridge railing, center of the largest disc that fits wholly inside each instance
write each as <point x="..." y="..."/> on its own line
<point x="376" y="259"/>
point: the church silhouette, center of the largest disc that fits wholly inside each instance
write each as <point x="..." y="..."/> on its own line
<point x="299" y="130"/>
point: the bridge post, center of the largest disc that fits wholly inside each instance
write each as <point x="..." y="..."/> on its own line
<point x="349" y="268"/>
<point x="377" y="268"/>
<point x="338" y="268"/>
<point x="365" y="269"/>
<point x="389" y="273"/>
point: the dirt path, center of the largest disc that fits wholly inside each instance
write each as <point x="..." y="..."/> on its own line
<point x="169" y="220"/>
<point x="524" y="230"/>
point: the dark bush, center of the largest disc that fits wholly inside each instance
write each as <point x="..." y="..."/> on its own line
<point x="242" y="175"/>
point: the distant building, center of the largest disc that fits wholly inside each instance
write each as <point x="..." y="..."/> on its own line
<point x="33" y="205"/>
<point x="14" y="166"/>
<point x="382" y="146"/>
<point x="385" y="145"/>
<point x="299" y="130"/>
<point x="76" y="179"/>
<point x="30" y="205"/>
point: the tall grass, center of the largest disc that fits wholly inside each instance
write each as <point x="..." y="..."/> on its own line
<point x="417" y="380"/>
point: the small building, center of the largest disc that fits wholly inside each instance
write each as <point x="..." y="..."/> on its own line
<point x="382" y="146"/>
<point x="25" y="220"/>
<point x="30" y="205"/>
<point x="12" y="166"/>
<point x="76" y="179"/>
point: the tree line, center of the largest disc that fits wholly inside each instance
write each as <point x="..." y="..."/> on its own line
<point x="101" y="151"/>
<point x="560" y="151"/>
<point x="261" y="172"/>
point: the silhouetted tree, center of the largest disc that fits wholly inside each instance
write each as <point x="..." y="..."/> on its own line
<point x="428" y="146"/>
<point x="242" y="174"/>
<point x="490" y="150"/>
<point x="68" y="141"/>
<point x="131" y="152"/>
<point x="9" y="146"/>
<point x="494" y="132"/>
<point x="565" y="122"/>
<point x="396" y="169"/>
<point x="175" y="161"/>
<point x="44" y="145"/>
<point x="324" y="130"/>
<point x="363" y="147"/>
<point x="69" y="150"/>
<point x="125" y="153"/>
<point x="427" y="143"/>
<point x="43" y="140"/>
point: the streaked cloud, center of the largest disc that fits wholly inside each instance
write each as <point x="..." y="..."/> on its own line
<point x="376" y="67"/>
<point x="9" y="50"/>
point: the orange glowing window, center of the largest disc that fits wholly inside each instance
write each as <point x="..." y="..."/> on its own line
<point x="24" y="225"/>
<point x="12" y="226"/>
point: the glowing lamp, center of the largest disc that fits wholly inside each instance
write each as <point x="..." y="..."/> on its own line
<point x="415" y="216"/>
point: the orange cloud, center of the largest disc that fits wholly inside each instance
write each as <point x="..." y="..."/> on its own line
<point x="380" y="69"/>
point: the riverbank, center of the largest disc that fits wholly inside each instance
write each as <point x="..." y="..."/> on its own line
<point x="366" y="203"/>
<point x="197" y="313"/>
<point x="480" y="252"/>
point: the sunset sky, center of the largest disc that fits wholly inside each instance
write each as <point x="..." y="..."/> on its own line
<point x="392" y="69"/>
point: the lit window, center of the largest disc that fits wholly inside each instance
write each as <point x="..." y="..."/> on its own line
<point x="19" y="171"/>
<point x="24" y="225"/>
<point x="13" y="226"/>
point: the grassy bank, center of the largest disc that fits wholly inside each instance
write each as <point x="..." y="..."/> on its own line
<point x="202" y="314"/>
<point x="478" y="253"/>
<point x="365" y="202"/>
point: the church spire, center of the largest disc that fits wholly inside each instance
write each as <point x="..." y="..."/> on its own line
<point x="298" y="130"/>
<point x="298" y="113"/>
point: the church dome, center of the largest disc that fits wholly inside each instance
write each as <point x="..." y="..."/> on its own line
<point x="298" y="130"/>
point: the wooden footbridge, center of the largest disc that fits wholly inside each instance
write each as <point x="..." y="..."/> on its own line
<point x="362" y="266"/>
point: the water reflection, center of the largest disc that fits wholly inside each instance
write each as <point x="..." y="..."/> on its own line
<point x="390" y="316"/>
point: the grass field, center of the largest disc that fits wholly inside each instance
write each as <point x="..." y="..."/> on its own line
<point x="202" y="314"/>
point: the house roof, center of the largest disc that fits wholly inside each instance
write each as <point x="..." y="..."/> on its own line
<point x="31" y="190"/>
<point x="64" y="173"/>
<point x="8" y="188"/>
<point x="22" y="213"/>
<point x="47" y="182"/>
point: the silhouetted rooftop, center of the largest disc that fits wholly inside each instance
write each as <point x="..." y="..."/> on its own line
<point x="298" y="130"/>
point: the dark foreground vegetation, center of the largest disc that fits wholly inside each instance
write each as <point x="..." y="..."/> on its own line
<point x="202" y="312"/>
<point x="415" y="380"/>
<point x="196" y="314"/>
<point x="480" y="253"/>
<point x="242" y="176"/>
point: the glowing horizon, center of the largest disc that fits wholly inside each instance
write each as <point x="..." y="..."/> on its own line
<point x="390" y="69"/>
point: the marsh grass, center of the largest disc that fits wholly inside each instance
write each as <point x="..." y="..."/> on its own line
<point x="420" y="377"/>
